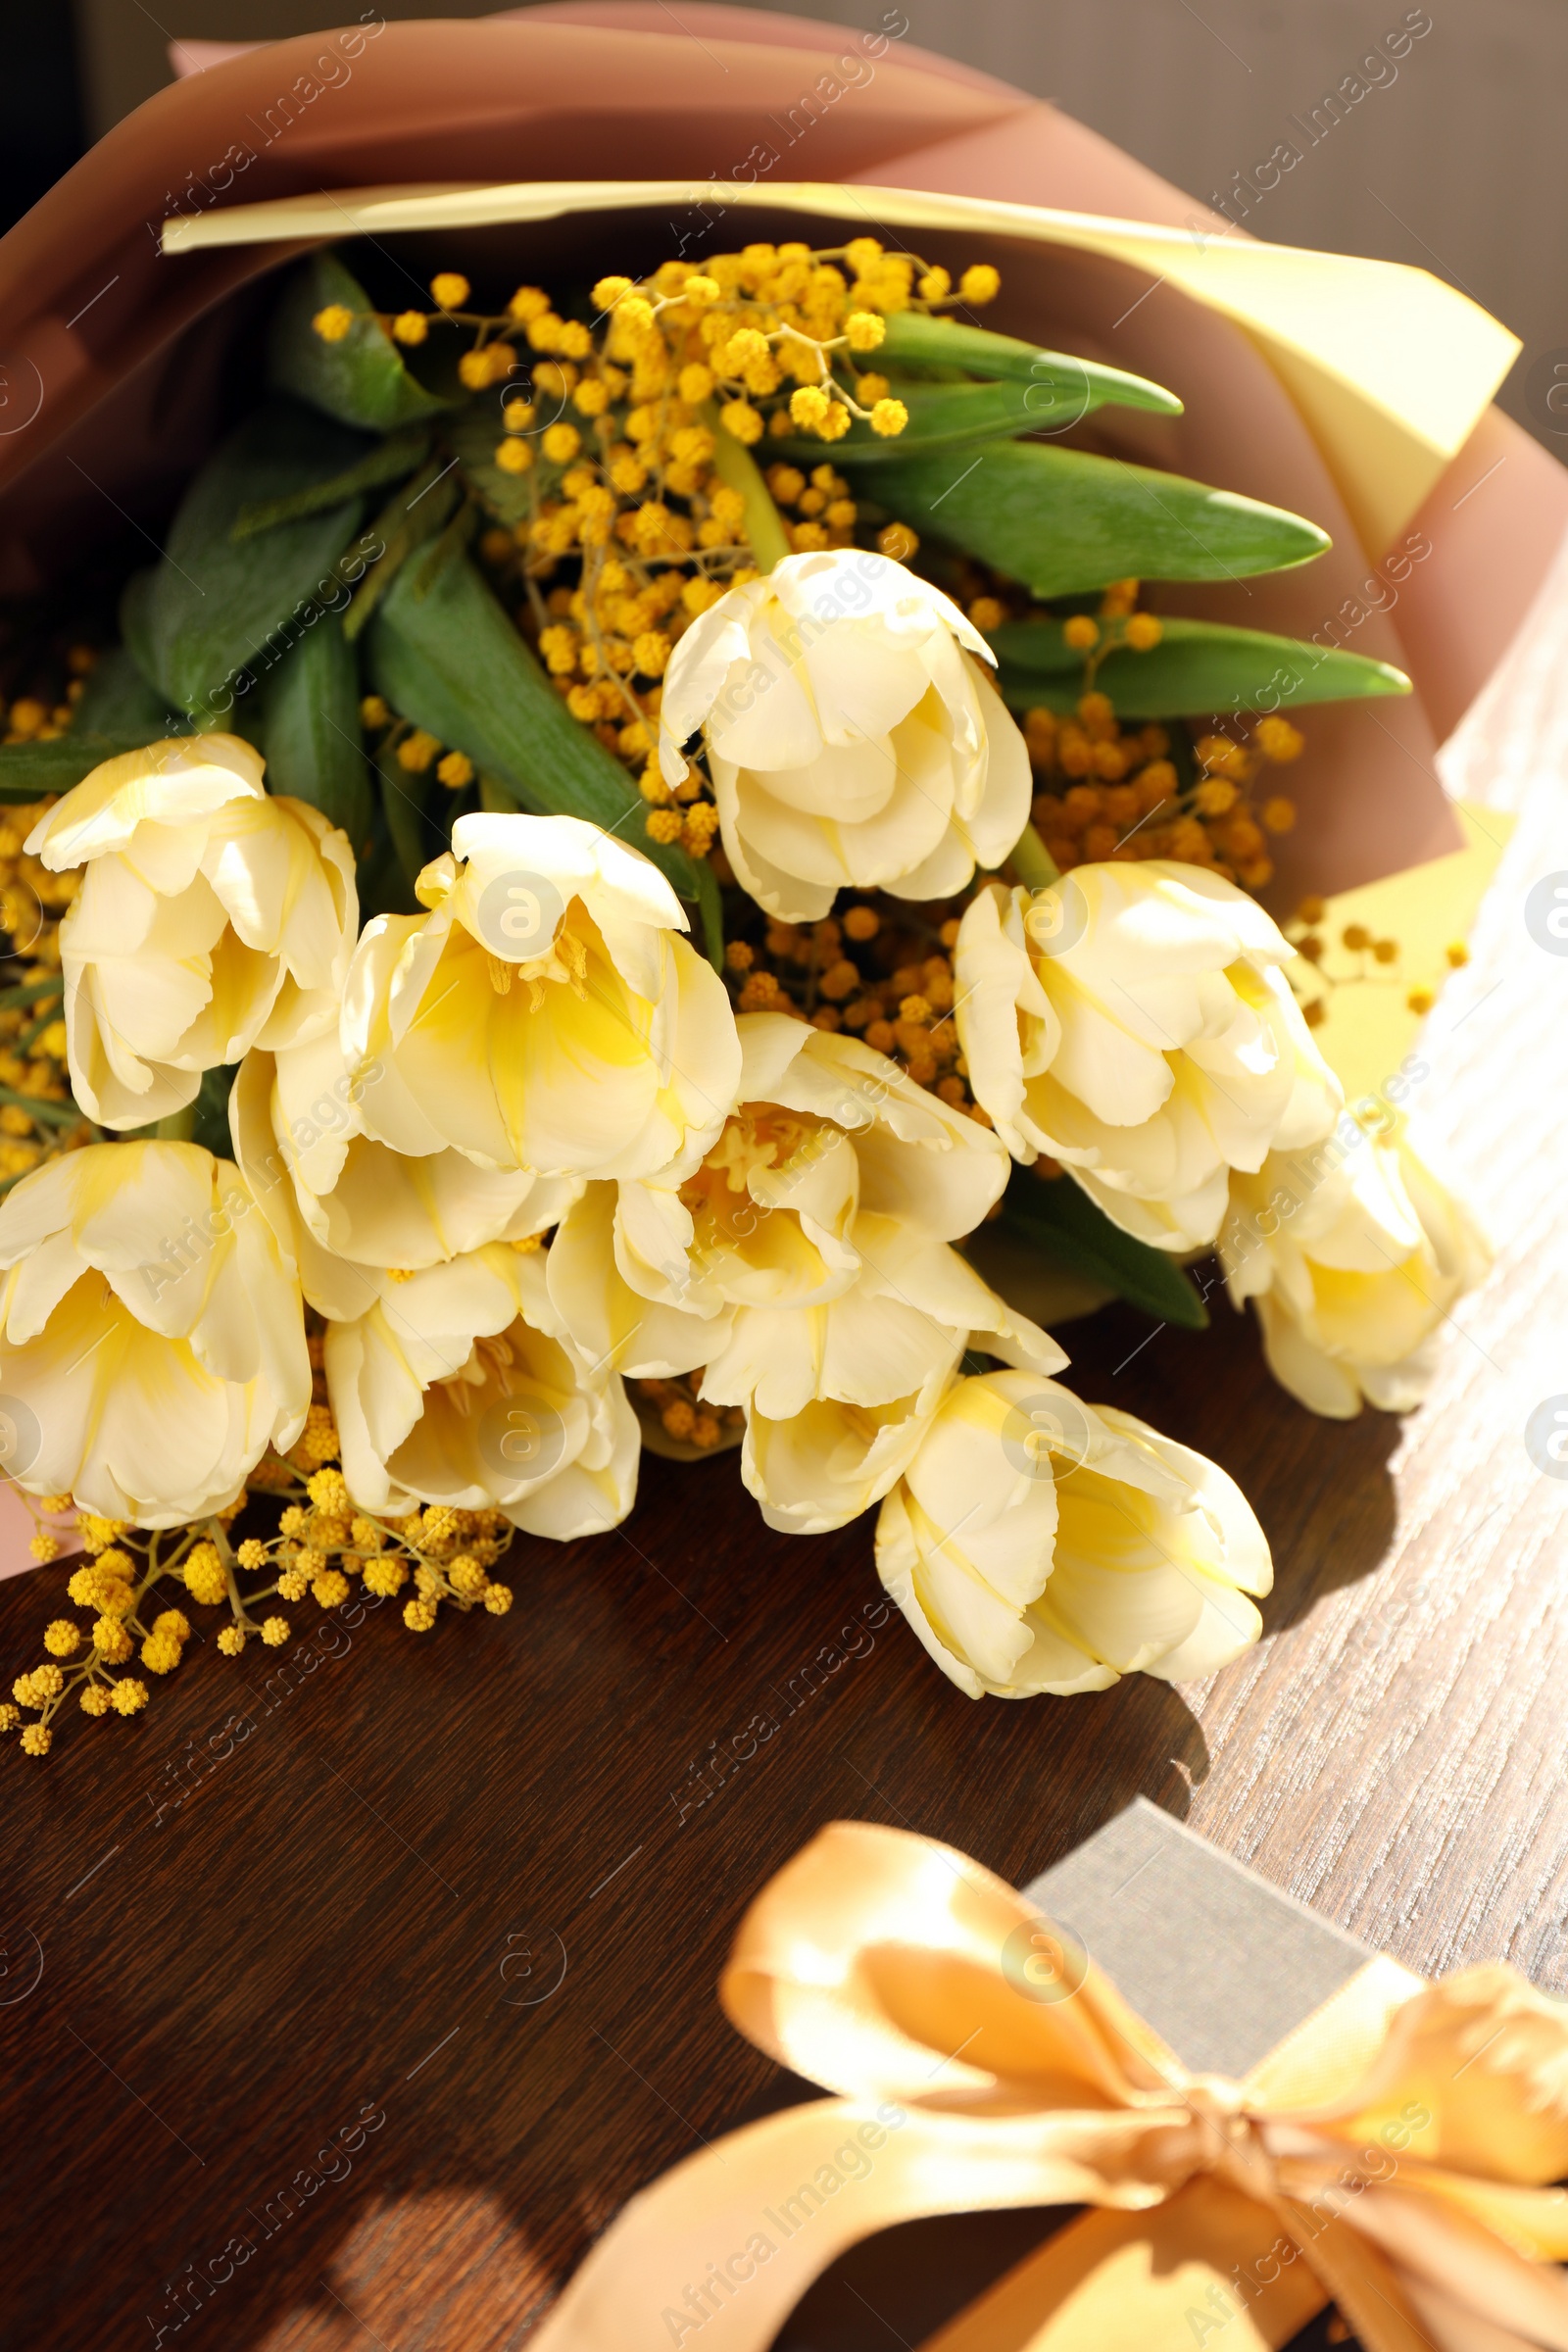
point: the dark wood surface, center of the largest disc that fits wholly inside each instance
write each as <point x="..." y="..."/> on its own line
<point x="362" y="1898"/>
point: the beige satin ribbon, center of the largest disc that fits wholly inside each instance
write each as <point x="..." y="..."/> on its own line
<point x="1390" y="2155"/>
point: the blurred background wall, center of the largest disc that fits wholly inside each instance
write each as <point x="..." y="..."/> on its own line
<point x="1451" y="159"/>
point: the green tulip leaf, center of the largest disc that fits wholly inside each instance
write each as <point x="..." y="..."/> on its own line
<point x="362" y="380"/>
<point x="941" y="416"/>
<point x="711" y="913"/>
<point x="416" y="833"/>
<point x="476" y="434"/>
<point x="398" y="454"/>
<point x="914" y="340"/>
<point x="383" y="886"/>
<point x="1027" y="391"/>
<point x="1061" y="1220"/>
<point x="209" y="1123"/>
<point x="446" y="655"/>
<point x="1197" y="667"/>
<point x="215" y="616"/>
<point x="30" y="771"/>
<point x="119" y="701"/>
<point x="1062" y="522"/>
<point x="417" y="511"/>
<point x="311" y="730"/>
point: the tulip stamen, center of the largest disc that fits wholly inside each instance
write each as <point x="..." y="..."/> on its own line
<point x="564" y="959"/>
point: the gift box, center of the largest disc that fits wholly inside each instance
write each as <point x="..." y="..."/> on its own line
<point x="1220" y="1963"/>
<point x="1387" y="2149"/>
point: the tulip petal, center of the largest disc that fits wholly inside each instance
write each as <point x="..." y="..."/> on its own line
<point x="38" y="1284"/>
<point x="876" y="1349"/>
<point x="946" y="1188"/>
<point x="716" y="645"/>
<point x="788" y="897"/>
<point x="995" y="810"/>
<point x="770" y="1361"/>
<point x="968" y="1615"/>
<point x="584" y="1501"/>
<point x="764" y="716"/>
<point x="831" y="1462"/>
<point x="113" y="913"/>
<point x="177" y="783"/>
<point x="1307" y="1372"/>
<point x="161" y="1373"/>
<point x="897" y="1562"/>
<point x="611" y="1323"/>
<point x="862" y="684"/>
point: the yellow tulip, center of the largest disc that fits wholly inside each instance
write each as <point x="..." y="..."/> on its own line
<point x="545" y="1014"/>
<point x="212" y="917"/>
<point x="1357" y="1256"/>
<point x="852" y="738"/>
<point x="460" y="1386"/>
<point x="808" y="1263"/>
<point x="345" y="1207"/>
<point x="1039" y="1545"/>
<point x="152" y="1340"/>
<point x="1133" y="1021"/>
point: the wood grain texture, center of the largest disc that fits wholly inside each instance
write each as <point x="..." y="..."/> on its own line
<point x="355" y="1924"/>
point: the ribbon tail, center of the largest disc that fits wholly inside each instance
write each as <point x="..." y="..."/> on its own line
<point x="1359" y="2278"/>
<point x="1208" y="2267"/>
<point x="1473" y="2289"/>
<point x="721" y="2249"/>
<point x="1448" y="2330"/>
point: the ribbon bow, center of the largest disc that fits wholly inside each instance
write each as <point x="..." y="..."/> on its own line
<point x="1390" y="2155"/>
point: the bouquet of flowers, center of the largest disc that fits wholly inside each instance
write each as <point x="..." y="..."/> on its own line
<point x="628" y="822"/>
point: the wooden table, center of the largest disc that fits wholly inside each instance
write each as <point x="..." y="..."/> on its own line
<point x="451" y="1901"/>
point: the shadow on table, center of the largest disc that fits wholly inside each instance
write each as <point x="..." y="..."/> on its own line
<point x="337" y="1909"/>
